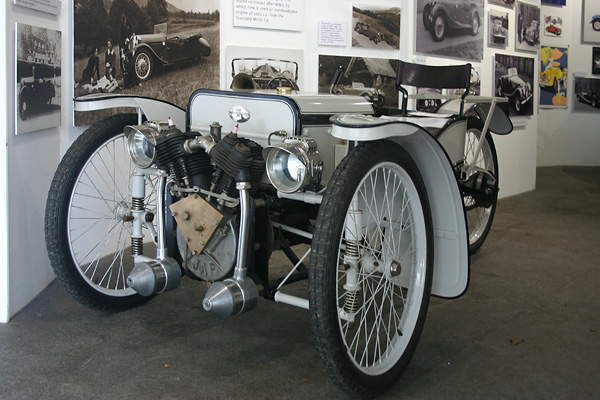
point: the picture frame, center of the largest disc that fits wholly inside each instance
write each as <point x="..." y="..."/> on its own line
<point x="553" y="76"/>
<point x="498" y="24"/>
<point x="590" y="23"/>
<point x="527" y="36"/>
<point x="595" y="60"/>
<point x="514" y="79"/>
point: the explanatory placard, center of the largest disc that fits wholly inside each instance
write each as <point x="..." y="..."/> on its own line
<point x="48" y="6"/>
<point x="269" y="14"/>
<point x="332" y="33"/>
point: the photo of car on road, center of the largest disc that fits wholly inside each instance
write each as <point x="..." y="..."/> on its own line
<point x="498" y="29"/>
<point x="452" y="28"/>
<point x="587" y="94"/>
<point x="514" y="77"/>
<point x="528" y="27"/>
<point x="376" y="27"/>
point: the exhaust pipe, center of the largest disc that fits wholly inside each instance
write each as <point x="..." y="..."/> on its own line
<point x="238" y="294"/>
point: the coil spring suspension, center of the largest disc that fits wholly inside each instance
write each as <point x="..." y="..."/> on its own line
<point x="137" y="244"/>
<point x="352" y="299"/>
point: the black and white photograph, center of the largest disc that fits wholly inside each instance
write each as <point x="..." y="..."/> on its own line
<point x="264" y="68"/>
<point x="587" y="94"/>
<point x="528" y="27"/>
<point x="590" y="24"/>
<point x="372" y="78"/>
<point x="498" y="28"/>
<point x="450" y="28"/>
<point x="514" y="78"/>
<point x="507" y="3"/>
<point x="376" y="27"/>
<point x="154" y="48"/>
<point x="595" y="60"/>
<point x="37" y="78"/>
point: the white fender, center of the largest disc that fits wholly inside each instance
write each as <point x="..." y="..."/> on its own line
<point x="451" y="243"/>
<point x="153" y="109"/>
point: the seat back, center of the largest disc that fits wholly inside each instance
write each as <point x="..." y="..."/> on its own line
<point x="444" y="77"/>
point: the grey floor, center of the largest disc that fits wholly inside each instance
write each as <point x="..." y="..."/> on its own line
<point x="527" y="328"/>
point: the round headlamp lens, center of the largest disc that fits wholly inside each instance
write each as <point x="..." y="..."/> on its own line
<point x="286" y="171"/>
<point x="141" y="151"/>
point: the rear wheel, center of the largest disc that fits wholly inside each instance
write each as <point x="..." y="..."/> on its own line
<point x="479" y="218"/>
<point x="89" y="219"/>
<point x="371" y="268"/>
<point x="475" y="24"/>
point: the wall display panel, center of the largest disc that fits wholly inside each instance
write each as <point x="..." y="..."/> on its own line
<point x="376" y="27"/>
<point x="596" y="60"/>
<point x="587" y="94"/>
<point x="528" y="27"/>
<point x="553" y="26"/>
<point x="37" y="78"/>
<point x="498" y="28"/>
<point x="507" y="3"/>
<point x="554" y="62"/>
<point x="47" y="6"/>
<point x="264" y="68"/>
<point x="514" y="79"/>
<point x="161" y="51"/>
<point x="372" y="78"/>
<point x="285" y="15"/>
<point x="450" y="28"/>
<point x="591" y="21"/>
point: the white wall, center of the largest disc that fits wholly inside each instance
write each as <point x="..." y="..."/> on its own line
<point x="566" y="137"/>
<point x="558" y="136"/>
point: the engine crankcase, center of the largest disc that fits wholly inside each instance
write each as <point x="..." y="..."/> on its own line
<point x="217" y="259"/>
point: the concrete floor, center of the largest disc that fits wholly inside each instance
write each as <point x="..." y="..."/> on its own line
<point x="527" y="328"/>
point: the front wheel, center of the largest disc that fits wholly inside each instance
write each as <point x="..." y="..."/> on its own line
<point x="371" y="268"/>
<point x="24" y="105"/>
<point x="89" y="217"/>
<point x="143" y="65"/>
<point x="439" y="27"/>
<point x="479" y="217"/>
<point x="426" y="16"/>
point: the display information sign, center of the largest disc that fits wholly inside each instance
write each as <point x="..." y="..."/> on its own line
<point x="332" y="33"/>
<point x="48" y="6"/>
<point x="269" y="14"/>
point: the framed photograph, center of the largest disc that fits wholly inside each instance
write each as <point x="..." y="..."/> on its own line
<point x="120" y="48"/>
<point x="507" y="3"/>
<point x="591" y="21"/>
<point x="553" y="26"/>
<point x="587" y="94"/>
<point x="264" y="68"/>
<point x="37" y="78"/>
<point x="528" y="27"/>
<point x="376" y="27"/>
<point x="372" y="78"/>
<point x="442" y="28"/>
<point x="514" y="79"/>
<point x="596" y="60"/>
<point x="498" y="29"/>
<point x="554" y="63"/>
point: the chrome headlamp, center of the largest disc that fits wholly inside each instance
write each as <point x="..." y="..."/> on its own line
<point x="293" y="164"/>
<point x="141" y="143"/>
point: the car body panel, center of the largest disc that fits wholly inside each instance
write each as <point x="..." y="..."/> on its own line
<point x="459" y="13"/>
<point x="513" y="87"/>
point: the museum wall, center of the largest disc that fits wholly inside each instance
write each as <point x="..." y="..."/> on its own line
<point x="548" y="137"/>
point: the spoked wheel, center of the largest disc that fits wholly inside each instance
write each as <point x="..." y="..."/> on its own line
<point x="439" y="27"/>
<point x="371" y="268"/>
<point x="143" y="65"/>
<point x="89" y="217"/>
<point x="479" y="218"/>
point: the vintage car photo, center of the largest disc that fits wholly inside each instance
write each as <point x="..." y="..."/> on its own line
<point x="441" y="15"/>
<point x="376" y="26"/>
<point x="514" y="79"/>
<point x="450" y="28"/>
<point x="528" y="27"/>
<point x="498" y="23"/>
<point x="587" y="93"/>
<point x="508" y="3"/>
<point x="553" y="29"/>
<point x="146" y="53"/>
<point x="261" y="73"/>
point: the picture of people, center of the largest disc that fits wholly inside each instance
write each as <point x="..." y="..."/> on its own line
<point x="153" y="48"/>
<point x="528" y="27"/>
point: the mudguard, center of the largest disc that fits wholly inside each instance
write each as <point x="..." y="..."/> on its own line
<point x="451" y="244"/>
<point x="153" y="109"/>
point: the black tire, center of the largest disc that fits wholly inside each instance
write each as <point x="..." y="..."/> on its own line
<point x="517" y="103"/>
<point x="438" y="27"/>
<point x="87" y="217"/>
<point x="382" y="175"/>
<point x="24" y="105"/>
<point x="426" y="12"/>
<point x="479" y="218"/>
<point x="594" y="103"/>
<point x="143" y="65"/>
<point x="475" y="25"/>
